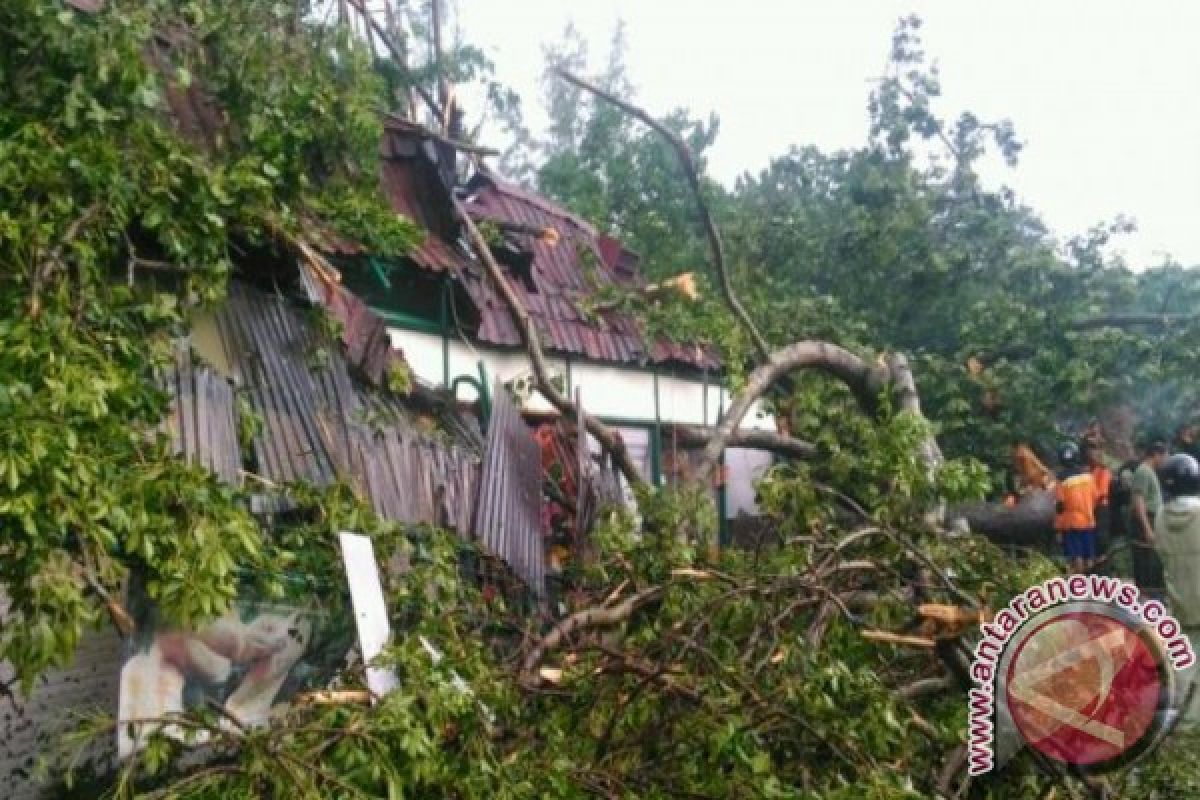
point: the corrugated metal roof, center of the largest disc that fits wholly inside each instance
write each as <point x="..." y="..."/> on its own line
<point x="565" y="271"/>
<point x="417" y="187"/>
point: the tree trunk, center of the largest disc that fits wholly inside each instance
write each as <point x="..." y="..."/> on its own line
<point x="1029" y="524"/>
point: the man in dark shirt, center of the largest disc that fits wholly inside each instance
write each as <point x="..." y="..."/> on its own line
<point x="1187" y="441"/>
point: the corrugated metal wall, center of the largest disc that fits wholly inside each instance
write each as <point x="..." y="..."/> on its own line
<point x="318" y="424"/>
<point x="30" y="725"/>
<point x="508" y="521"/>
<point x="202" y="423"/>
<point x="408" y="478"/>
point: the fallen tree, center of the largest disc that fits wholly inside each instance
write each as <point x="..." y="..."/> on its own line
<point x="531" y="339"/>
<point x="866" y="381"/>
<point x="830" y="666"/>
<point x="1027" y="524"/>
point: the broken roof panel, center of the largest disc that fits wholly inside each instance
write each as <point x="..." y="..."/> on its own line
<point x="368" y="346"/>
<point x="508" y="520"/>
<point x="415" y="187"/>
<point x="566" y="268"/>
<point x="319" y="424"/>
<point x="568" y="264"/>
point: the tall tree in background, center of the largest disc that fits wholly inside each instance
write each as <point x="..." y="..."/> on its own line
<point x="897" y="244"/>
<point x="614" y="172"/>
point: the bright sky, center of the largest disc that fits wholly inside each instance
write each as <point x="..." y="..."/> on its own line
<point x="1103" y="92"/>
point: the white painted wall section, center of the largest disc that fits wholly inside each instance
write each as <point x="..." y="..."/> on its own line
<point x="609" y="391"/>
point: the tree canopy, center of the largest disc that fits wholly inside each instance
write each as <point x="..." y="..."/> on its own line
<point x="898" y="245"/>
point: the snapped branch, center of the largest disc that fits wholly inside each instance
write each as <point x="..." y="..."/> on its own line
<point x="866" y="380"/>
<point x="606" y="436"/>
<point x="711" y="233"/>
<point x="588" y="619"/>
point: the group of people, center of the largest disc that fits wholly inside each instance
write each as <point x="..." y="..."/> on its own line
<point x="1139" y="521"/>
<point x="1098" y="516"/>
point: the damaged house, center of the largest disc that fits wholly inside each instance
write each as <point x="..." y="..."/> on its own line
<point x="279" y="384"/>
<point x="407" y="381"/>
<point x="457" y="333"/>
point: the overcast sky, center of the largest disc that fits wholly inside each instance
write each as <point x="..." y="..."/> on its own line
<point x="1103" y="92"/>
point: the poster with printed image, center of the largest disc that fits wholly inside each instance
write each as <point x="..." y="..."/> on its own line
<point x="249" y="663"/>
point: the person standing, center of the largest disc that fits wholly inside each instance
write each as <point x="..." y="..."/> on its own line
<point x="1075" y="509"/>
<point x="1145" y="502"/>
<point x="1186" y="440"/>
<point x="1030" y="474"/>
<point x="1177" y="540"/>
<point x="1102" y="483"/>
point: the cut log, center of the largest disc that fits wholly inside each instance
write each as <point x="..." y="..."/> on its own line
<point x="1028" y="524"/>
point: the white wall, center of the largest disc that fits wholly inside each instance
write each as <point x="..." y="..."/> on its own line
<point x="744" y="467"/>
<point x="608" y="391"/>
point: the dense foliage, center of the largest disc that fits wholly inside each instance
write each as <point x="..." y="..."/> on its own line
<point x="115" y="218"/>
<point x="731" y="679"/>
<point x="898" y="245"/>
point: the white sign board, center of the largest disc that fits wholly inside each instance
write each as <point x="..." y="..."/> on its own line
<point x="370" y="612"/>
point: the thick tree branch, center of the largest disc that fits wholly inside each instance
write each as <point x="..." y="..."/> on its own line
<point x="864" y="379"/>
<point x="693" y="178"/>
<point x="1030" y="524"/>
<point x="696" y="436"/>
<point x="904" y="388"/>
<point x="606" y="436"/>
<point x="588" y="619"/>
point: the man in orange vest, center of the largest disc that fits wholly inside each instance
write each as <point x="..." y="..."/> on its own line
<point x="1102" y="481"/>
<point x="1075" y="509"/>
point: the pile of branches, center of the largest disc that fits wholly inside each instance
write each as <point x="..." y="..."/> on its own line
<point x="816" y="665"/>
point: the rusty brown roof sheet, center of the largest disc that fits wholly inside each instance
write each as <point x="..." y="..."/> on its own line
<point x="416" y="188"/>
<point x="416" y="182"/>
<point x="563" y="275"/>
<point x="368" y="344"/>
